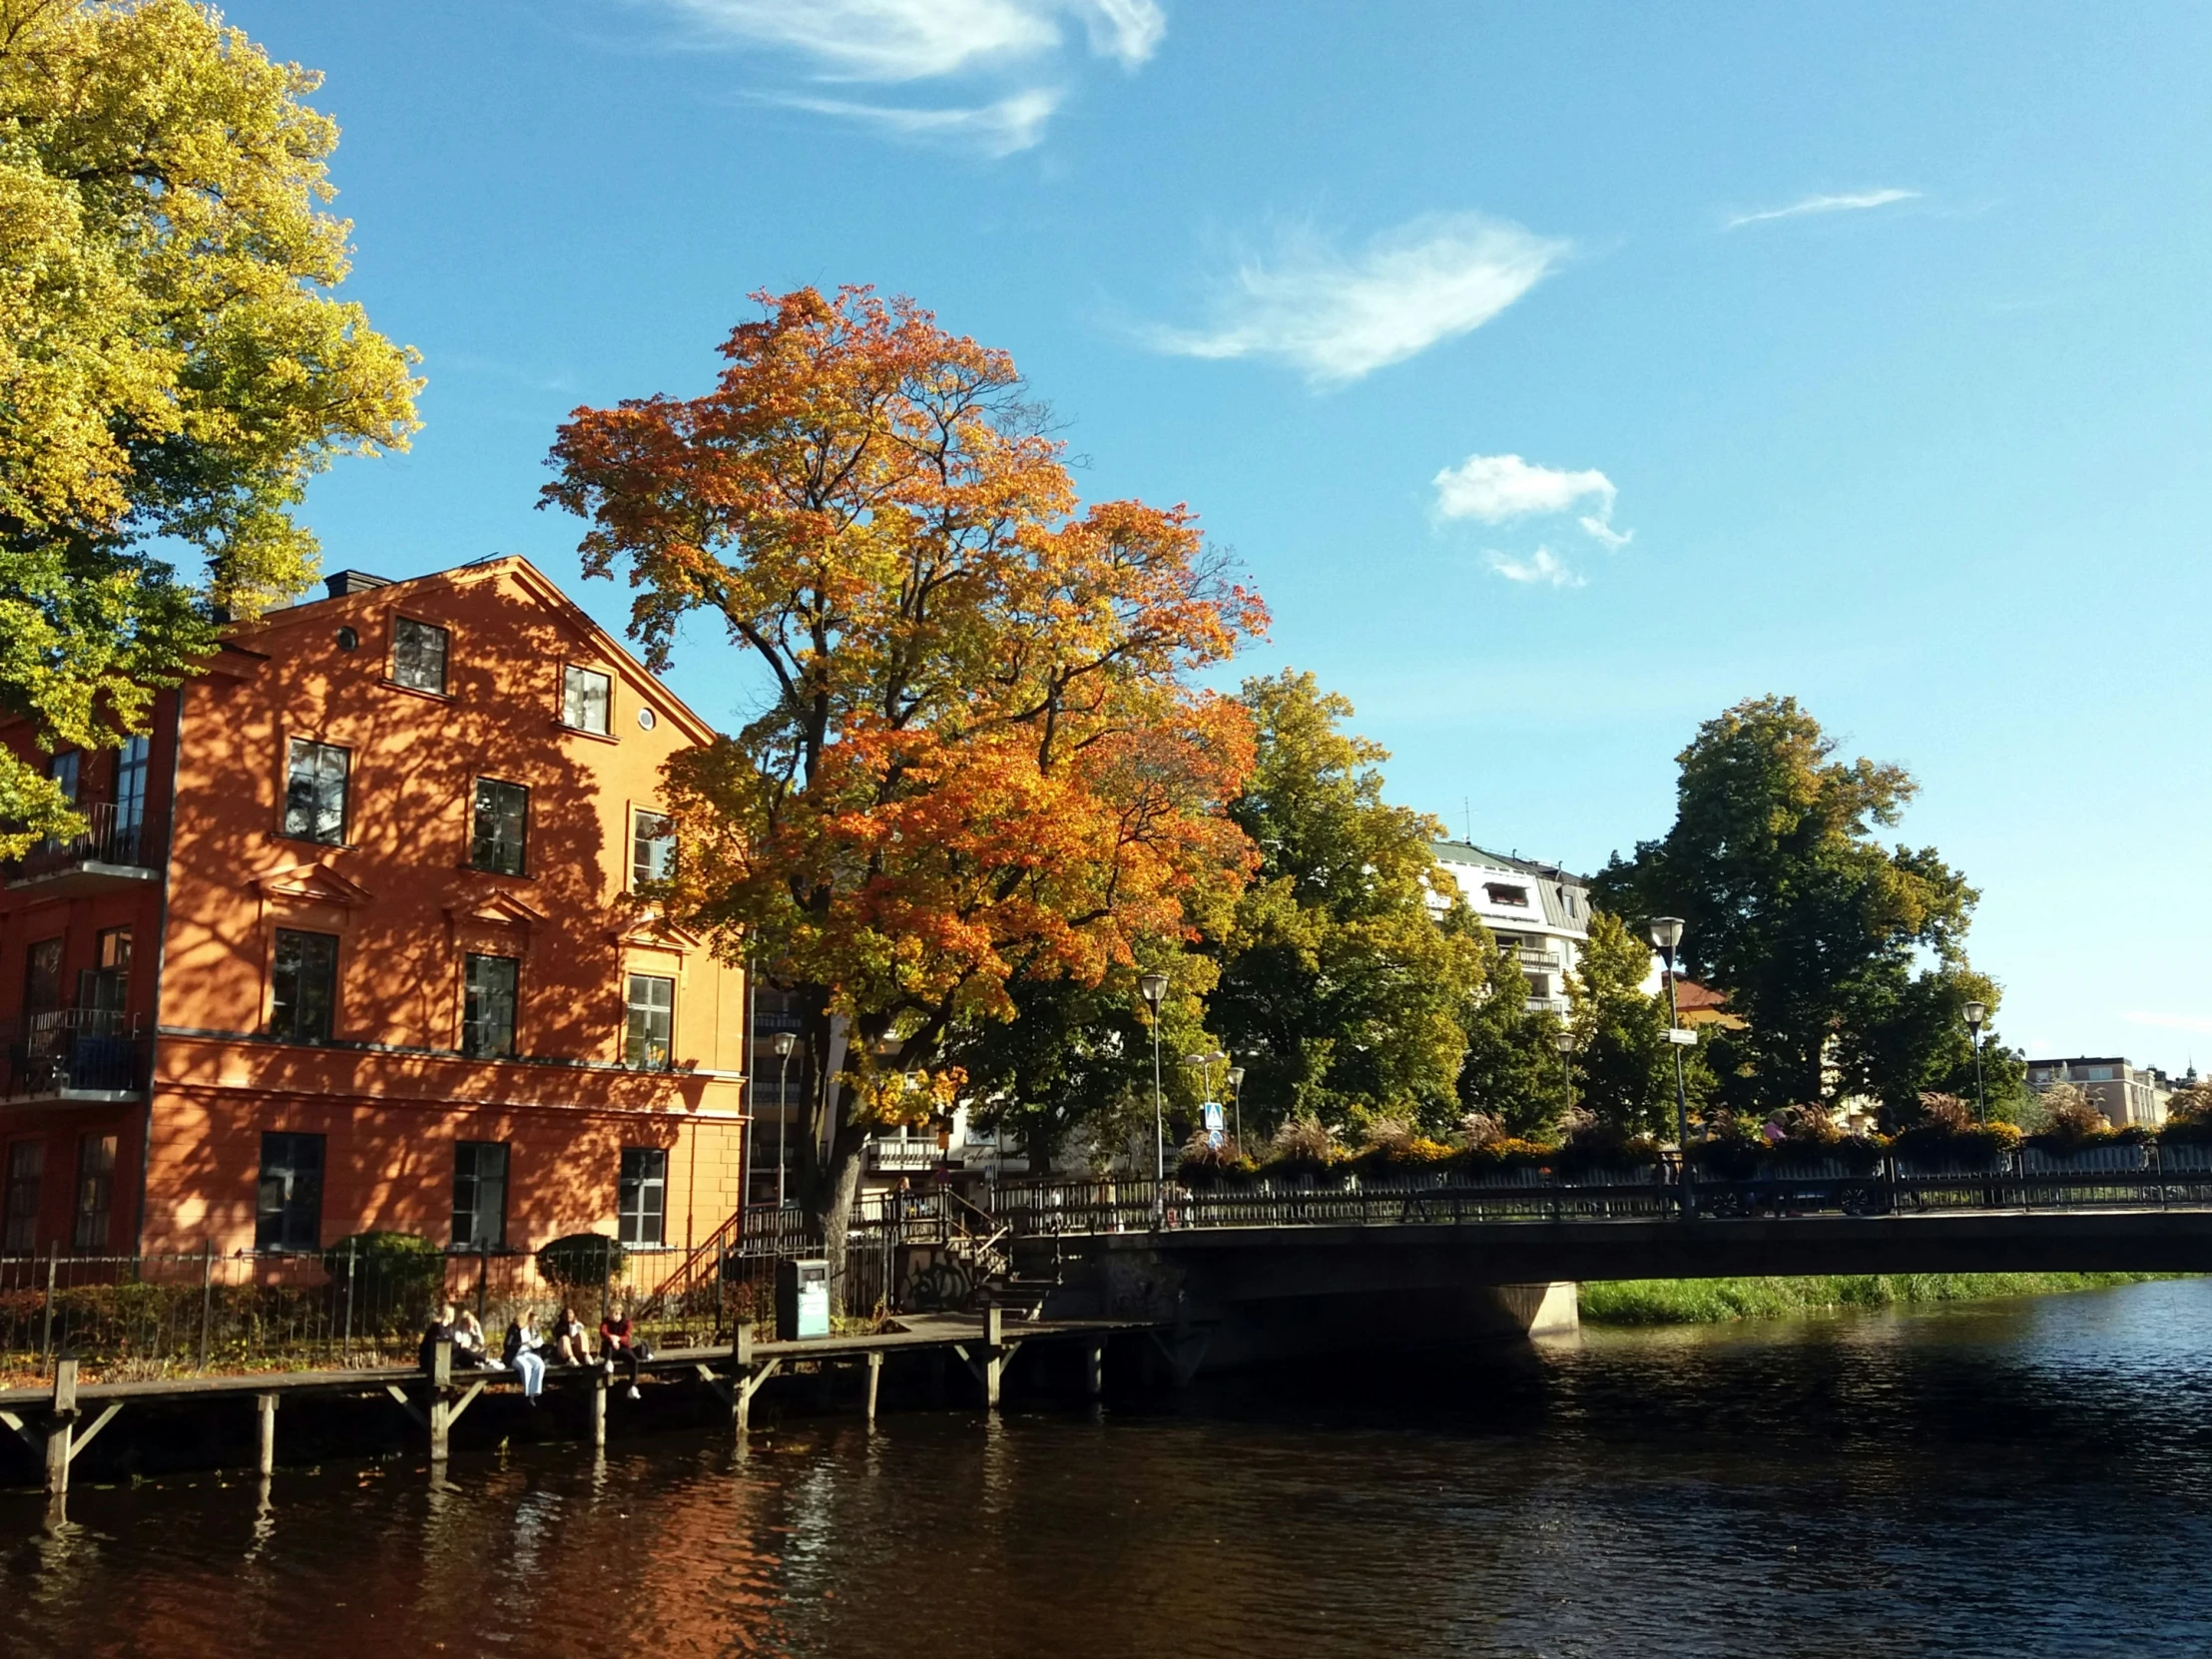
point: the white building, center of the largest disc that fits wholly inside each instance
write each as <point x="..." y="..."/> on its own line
<point x="1540" y="911"/>
<point x="2125" y="1094"/>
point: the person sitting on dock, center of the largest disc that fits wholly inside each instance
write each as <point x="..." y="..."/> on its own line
<point x="522" y="1353"/>
<point x="439" y="1330"/>
<point x="468" y="1342"/>
<point x="615" y="1343"/>
<point x="571" y="1342"/>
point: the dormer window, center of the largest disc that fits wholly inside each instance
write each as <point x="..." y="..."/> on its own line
<point x="1505" y="892"/>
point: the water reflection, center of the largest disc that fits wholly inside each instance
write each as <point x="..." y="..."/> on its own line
<point x="2022" y="1479"/>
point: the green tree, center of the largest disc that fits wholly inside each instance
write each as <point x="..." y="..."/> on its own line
<point x="173" y="364"/>
<point x="1513" y="1071"/>
<point x="1624" y="1070"/>
<point x="1813" y="927"/>
<point x="1338" y="993"/>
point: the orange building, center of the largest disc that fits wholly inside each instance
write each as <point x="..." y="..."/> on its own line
<point x="348" y="947"/>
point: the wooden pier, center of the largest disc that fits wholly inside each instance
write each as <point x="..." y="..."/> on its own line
<point x="60" y="1422"/>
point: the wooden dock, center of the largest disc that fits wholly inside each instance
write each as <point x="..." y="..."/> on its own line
<point x="60" y="1422"/>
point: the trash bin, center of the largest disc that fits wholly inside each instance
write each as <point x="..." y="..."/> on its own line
<point x="802" y="1299"/>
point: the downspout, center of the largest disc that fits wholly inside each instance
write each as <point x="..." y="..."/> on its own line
<point x="161" y="961"/>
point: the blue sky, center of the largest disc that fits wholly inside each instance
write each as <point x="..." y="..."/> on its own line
<point x="1561" y="373"/>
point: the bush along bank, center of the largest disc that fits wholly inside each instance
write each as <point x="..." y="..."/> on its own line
<point x="1718" y="1301"/>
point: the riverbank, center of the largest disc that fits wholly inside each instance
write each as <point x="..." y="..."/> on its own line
<point x="1717" y="1301"/>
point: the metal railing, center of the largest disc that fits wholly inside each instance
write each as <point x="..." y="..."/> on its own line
<point x="89" y="1049"/>
<point x="113" y="835"/>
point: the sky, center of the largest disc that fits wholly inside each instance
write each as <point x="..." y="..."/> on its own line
<point x="1561" y="374"/>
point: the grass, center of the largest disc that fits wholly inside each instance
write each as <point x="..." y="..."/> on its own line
<point x="1714" y="1301"/>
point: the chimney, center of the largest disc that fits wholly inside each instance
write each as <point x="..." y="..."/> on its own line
<point x="342" y="582"/>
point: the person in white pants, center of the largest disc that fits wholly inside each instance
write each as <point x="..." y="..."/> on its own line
<point x="524" y="1354"/>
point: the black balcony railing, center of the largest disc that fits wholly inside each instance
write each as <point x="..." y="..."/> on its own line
<point x="90" y="1050"/>
<point x="124" y="835"/>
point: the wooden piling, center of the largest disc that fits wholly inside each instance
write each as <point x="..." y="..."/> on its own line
<point x="266" y="1408"/>
<point x="1094" y="1367"/>
<point x="61" y="1427"/>
<point x="599" y="1383"/>
<point x="875" y="1377"/>
<point x="441" y="1390"/>
<point x="741" y="1374"/>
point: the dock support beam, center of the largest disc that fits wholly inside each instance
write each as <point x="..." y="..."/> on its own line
<point x="61" y="1428"/>
<point x="266" y="1405"/>
<point x="991" y="1354"/>
<point x="875" y="1377"/>
<point x="1094" y="1367"/>
<point x="600" y="1379"/>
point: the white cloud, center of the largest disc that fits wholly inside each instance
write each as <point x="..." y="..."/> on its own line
<point x="1542" y="566"/>
<point x="1339" y="316"/>
<point x="2168" y="1023"/>
<point x="998" y="129"/>
<point x="1498" y="490"/>
<point x="903" y="40"/>
<point x="1850" y="203"/>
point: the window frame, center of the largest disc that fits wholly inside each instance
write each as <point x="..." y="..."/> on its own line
<point x="277" y="968"/>
<point x="92" y="1217"/>
<point x="477" y="842"/>
<point x="469" y="993"/>
<point x="605" y="727"/>
<point x="67" y="770"/>
<point x="294" y="1206"/>
<point x="632" y="1037"/>
<point x="477" y="1179"/>
<point x="292" y="748"/>
<point x="642" y="1171"/>
<point x="445" y="655"/>
<point x="638" y="815"/>
<point x="134" y="769"/>
<point x="35" y="976"/>
<point x="21" y="1194"/>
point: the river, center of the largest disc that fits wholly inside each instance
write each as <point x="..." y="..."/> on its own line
<point x="2024" y="1478"/>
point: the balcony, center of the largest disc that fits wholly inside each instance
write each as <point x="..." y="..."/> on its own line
<point x="88" y="1054"/>
<point x="1529" y="957"/>
<point x="119" y="846"/>
<point x="904" y="1157"/>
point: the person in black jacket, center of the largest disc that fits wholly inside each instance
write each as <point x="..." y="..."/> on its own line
<point x="439" y="1330"/>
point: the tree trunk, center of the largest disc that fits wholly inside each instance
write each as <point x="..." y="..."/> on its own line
<point x="840" y="1187"/>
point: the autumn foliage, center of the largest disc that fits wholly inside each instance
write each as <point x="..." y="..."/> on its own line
<point x="978" y="752"/>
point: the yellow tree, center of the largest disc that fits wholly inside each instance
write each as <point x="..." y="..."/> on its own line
<point x="173" y="364"/>
<point x="978" y="754"/>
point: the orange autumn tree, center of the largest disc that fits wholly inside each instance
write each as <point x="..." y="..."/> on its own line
<point x="978" y="753"/>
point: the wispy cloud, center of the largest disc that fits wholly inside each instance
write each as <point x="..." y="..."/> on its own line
<point x="1339" y="316"/>
<point x="1543" y="567"/>
<point x="1000" y="129"/>
<point x="1501" y="489"/>
<point x="908" y="41"/>
<point x="1853" y="202"/>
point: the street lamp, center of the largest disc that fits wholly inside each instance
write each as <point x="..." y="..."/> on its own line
<point x="1235" y="1102"/>
<point x="1153" y="987"/>
<point x="1976" y="1015"/>
<point x="1666" y="936"/>
<point x="782" y="1043"/>
<point x="1564" y="1043"/>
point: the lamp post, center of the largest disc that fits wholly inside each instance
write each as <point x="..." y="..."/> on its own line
<point x="1564" y="1041"/>
<point x="1976" y="1015"/>
<point x="1235" y="1103"/>
<point x="1666" y="936"/>
<point x="784" y="1043"/>
<point x="1153" y="987"/>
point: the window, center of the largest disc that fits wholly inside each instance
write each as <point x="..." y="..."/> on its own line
<point x="2098" y="1074"/>
<point x="586" y="698"/>
<point x="1539" y="987"/>
<point x="95" y="1190"/>
<point x="652" y="1021"/>
<point x="1501" y="892"/>
<point x="481" y="1194"/>
<point x="314" y="793"/>
<point x="306" y="986"/>
<point x="105" y="988"/>
<point x="418" y="655"/>
<point x="488" y="1006"/>
<point x="63" y="770"/>
<point x="1567" y="899"/>
<point x="19" y="1204"/>
<point x="641" y="1200"/>
<point x="42" y="978"/>
<point x="289" y="1214"/>
<point x="502" y="820"/>
<point x="130" y="786"/>
<point x="652" y="848"/>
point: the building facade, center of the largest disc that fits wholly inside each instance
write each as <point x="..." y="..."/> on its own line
<point x="1539" y="911"/>
<point x="2124" y="1093"/>
<point x="349" y="946"/>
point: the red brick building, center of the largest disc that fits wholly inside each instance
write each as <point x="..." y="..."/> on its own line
<point x="348" y="946"/>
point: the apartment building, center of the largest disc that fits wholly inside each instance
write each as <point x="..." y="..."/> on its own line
<point x="348" y="946"/>
<point x="2124" y="1093"/>
<point x="1538" y="911"/>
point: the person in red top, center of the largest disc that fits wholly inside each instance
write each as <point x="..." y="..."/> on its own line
<point x="616" y="1342"/>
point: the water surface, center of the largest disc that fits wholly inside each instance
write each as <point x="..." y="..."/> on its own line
<point x="2006" y="1478"/>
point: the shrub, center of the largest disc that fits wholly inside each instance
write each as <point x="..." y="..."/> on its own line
<point x="1303" y="1146"/>
<point x="2189" y="1117"/>
<point x="1974" y="1148"/>
<point x="2070" y="1122"/>
<point x="581" y="1260"/>
<point x="1206" y="1165"/>
<point x="1597" y="1146"/>
<point x="1506" y="1153"/>
<point x="391" y="1281"/>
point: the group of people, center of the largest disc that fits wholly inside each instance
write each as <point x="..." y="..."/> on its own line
<point x="528" y="1352"/>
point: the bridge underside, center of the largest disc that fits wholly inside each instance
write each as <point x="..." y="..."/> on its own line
<point x="1268" y="1290"/>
